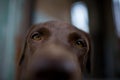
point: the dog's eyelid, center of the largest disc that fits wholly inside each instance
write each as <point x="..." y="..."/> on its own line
<point x="40" y="34"/>
<point x="44" y="31"/>
<point x="77" y="40"/>
<point x="74" y="36"/>
<point x="36" y="35"/>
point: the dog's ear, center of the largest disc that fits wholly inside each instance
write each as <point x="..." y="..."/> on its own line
<point x="22" y="54"/>
<point x="89" y="58"/>
<point x="87" y="61"/>
<point x="24" y="47"/>
<point x="20" y="60"/>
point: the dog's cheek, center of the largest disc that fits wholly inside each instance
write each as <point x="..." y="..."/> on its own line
<point x="81" y="55"/>
<point x="31" y="48"/>
<point x="81" y="62"/>
<point x="22" y="69"/>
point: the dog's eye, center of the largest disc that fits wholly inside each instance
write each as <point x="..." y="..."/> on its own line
<point x="79" y="43"/>
<point x="36" y="36"/>
<point x="76" y="40"/>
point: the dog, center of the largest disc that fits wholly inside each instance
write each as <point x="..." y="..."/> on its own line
<point x="54" y="50"/>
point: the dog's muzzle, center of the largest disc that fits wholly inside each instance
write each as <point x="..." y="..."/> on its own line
<point x="51" y="70"/>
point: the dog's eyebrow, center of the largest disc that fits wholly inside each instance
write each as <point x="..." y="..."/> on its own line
<point x="42" y="29"/>
<point x="74" y="35"/>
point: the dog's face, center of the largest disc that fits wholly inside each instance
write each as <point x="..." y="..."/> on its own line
<point x="54" y="51"/>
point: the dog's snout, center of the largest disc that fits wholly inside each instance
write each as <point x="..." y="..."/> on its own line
<point x="55" y="63"/>
<point x="52" y="73"/>
<point x="68" y="66"/>
<point x="52" y="70"/>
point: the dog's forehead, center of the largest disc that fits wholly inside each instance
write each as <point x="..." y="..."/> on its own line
<point x="57" y="26"/>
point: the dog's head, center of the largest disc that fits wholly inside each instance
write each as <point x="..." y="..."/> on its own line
<point x="54" y="51"/>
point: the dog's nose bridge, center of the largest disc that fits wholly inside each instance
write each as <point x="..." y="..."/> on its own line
<point x="57" y="50"/>
<point x="58" y="54"/>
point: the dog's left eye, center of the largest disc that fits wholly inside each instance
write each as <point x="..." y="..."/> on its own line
<point x="79" y="43"/>
<point x="36" y="36"/>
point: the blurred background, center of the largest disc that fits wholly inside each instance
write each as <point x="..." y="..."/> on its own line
<point x="99" y="18"/>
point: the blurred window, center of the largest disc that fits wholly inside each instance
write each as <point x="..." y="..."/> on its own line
<point x="79" y="16"/>
<point x="116" y="11"/>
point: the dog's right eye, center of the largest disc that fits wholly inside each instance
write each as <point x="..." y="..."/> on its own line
<point x="76" y="40"/>
<point x="36" y="36"/>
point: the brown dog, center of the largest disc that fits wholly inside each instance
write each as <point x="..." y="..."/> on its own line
<point x="54" y="51"/>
